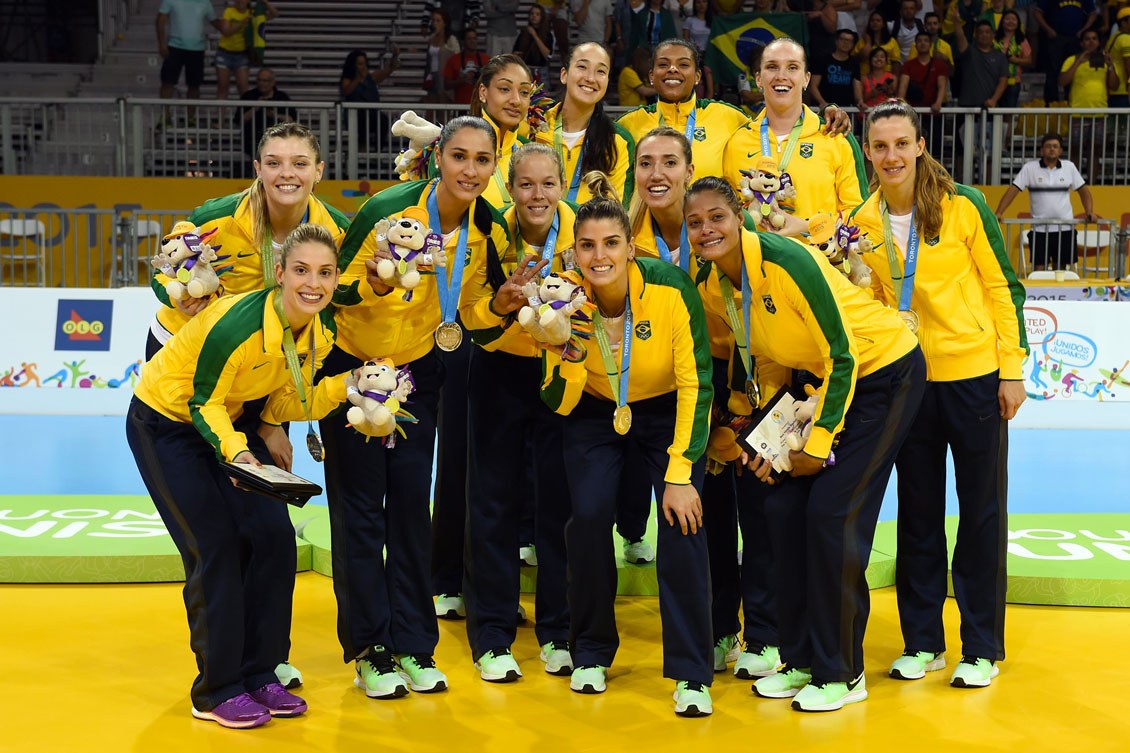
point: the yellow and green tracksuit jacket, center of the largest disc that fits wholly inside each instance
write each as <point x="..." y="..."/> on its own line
<point x="715" y="123"/>
<point x="670" y="353"/>
<point x="827" y="171"/>
<point x="231" y="217"/>
<point x="622" y="173"/>
<point x="373" y="326"/>
<point x="493" y="332"/>
<point x="969" y="303"/>
<point x="804" y="315"/>
<point x="231" y="353"/>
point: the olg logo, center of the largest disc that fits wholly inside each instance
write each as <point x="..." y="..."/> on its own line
<point x="83" y="324"/>
<point x="80" y="523"/>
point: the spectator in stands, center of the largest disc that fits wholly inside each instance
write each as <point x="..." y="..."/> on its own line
<point x="877" y="35"/>
<point x="501" y="17"/>
<point x="933" y="24"/>
<point x="835" y="77"/>
<point x="753" y="99"/>
<point x="1049" y="182"/>
<point x="233" y="47"/>
<point x="594" y="20"/>
<point x="984" y="69"/>
<point x="1089" y="75"/>
<point x="1062" y="23"/>
<point x="180" y="42"/>
<point x="696" y="28"/>
<point x="651" y="22"/>
<point x="923" y="84"/>
<point x="359" y="83"/>
<point x="1011" y="41"/>
<point x="907" y="27"/>
<point x="993" y="13"/>
<point x="821" y="17"/>
<point x="633" y="86"/>
<point x="558" y="12"/>
<point x="442" y="44"/>
<point x="256" y="120"/>
<point x="261" y="12"/>
<point x="879" y="84"/>
<point x="462" y="70"/>
<point x="622" y="14"/>
<point x="535" y="44"/>
<point x="1118" y="47"/>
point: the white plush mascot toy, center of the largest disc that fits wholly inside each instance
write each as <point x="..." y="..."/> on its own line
<point x="419" y="132"/>
<point x="376" y="397"/>
<point x="185" y="257"/>
<point x="413" y="247"/>
<point x="843" y="245"/>
<point x="551" y="305"/>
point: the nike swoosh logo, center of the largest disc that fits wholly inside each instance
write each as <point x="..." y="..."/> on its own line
<point x="258" y="365"/>
<point x="249" y="253"/>
<point x="752" y="154"/>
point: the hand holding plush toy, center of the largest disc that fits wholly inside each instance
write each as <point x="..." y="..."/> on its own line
<point x="186" y="258"/>
<point x="548" y="316"/>
<point x="376" y="393"/>
<point x="804" y="414"/>
<point x="420" y="133"/>
<point x="411" y="245"/>
<point x="843" y="245"/>
<point x="760" y="188"/>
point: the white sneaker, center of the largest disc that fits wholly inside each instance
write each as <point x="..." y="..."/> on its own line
<point x="528" y="556"/>
<point x="558" y="660"/>
<point x="589" y="680"/>
<point x="638" y="552"/>
<point x="289" y="676"/>
<point x="754" y="663"/>
<point x="450" y="607"/>
<point x="726" y="649"/>
<point x="521" y="614"/>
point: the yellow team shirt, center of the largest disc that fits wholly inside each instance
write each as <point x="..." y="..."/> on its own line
<point x="804" y="315"/>
<point x="376" y="326"/>
<point x="626" y="86"/>
<point x="493" y="332"/>
<point x="622" y="173"/>
<point x="229" y="354"/>
<point x="670" y="352"/>
<point x="827" y="171"/>
<point x="231" y="218"/>
<point x="968" y="300"/>
<point x="236" y="42"/>
<point x="891" y="47"/>
<point x="1119" y="49"/>
<point x="715" y="123"/>
<point x="1088" y="88"/>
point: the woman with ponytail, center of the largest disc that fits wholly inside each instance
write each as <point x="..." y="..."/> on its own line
<point x="581" y="133"/>
<point x="795" y="313"/>
<point x="644" y="385"/>
<point x="502" y="98"/>
<point x="939" y="258"/>
<point x="510" y="428"/>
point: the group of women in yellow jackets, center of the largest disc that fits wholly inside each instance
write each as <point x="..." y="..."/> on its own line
<point x="692" y="305"/>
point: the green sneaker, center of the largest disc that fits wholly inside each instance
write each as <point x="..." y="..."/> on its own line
<point x="450" y="607"/>
<point x="588" y="680"/>
<point x="558" y="660"/>
<point x="726" y="649"/>
<point x="421" y="674"/>
<point x="498" y="665"/>
<point x="638" y="552"/>
<point x="913" y="665"/>
<point x="973" y="672"/>
<point x="783" y="684"/>
<point x="692" y="699"/>
<point x="289" y="676"/>
<point x="376" y="675"/>
<point x="756" y="662"/>
<point x="830" y="696"/>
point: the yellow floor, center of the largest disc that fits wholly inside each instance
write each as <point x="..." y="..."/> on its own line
<point x="107" y="668"/>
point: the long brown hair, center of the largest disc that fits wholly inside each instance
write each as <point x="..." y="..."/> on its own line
<point x="257" y="195"/>
<point x="636" y="213"/>
<point x="932" y="182"/>
<point x="604" y="204"/>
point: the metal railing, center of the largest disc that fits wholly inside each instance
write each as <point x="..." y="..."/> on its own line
<point x="1090" y="250"/>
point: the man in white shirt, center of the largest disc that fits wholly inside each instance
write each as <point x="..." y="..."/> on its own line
<point x="1050" y="181"/>
<point x="593" y="19"/>
<point x="906" y="28"/>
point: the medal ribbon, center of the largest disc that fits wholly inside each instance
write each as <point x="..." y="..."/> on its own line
<point x="688" y="130"/>
<point x="546" y="250"/>
<point x="741" y="326"/>
<point x="290" y="351"/>
<point x="617" y="379"/>
<point x="559" y="147"/>
<point x="448" y="287"/>
<point x="267" y="254"/>
<point x="665" y="250"/>
<point x="911" y="265"/>
<point x="790" y="145"/>
<point x="499" y="181"/>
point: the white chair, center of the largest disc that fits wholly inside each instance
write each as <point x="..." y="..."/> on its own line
<point x="24" y="244"/>
<point x="1050" y="274"/>
<point x="131" y="265"/>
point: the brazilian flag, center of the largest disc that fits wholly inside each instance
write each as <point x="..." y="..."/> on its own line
<point x="732" y="38"/>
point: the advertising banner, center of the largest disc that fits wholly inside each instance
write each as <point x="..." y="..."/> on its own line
<point x="1079" y="352"/>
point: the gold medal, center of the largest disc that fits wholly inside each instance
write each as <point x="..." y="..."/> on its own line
<point x="622" y="419"/>
<point x="449" y="336"/>
<point x="315" y="446"/>
<point x="753" y="393"/>
<point x="910" y="319"/>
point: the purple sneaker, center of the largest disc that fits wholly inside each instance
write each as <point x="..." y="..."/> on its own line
<point x="237" y="713"/>
<point x="278" y="700"/>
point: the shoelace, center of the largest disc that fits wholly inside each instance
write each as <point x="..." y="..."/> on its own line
<point x="243" y="701"/>
<point x="498" y="653"/>
<point x="558" y="646"/>
<point x="754" y="648"/>
<point x="381" y="660"/>
<point x="972" y="660"/>
<point x="588" y="666"/>
<point x="423" y="661"/>
<point x="696" y="687"/>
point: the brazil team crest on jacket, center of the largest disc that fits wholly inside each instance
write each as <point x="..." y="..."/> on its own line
<point x="643" y="330"/>
<point x="806" y="149"/>
<point x="700" y="133"/>
<point x="769" y="306"/>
